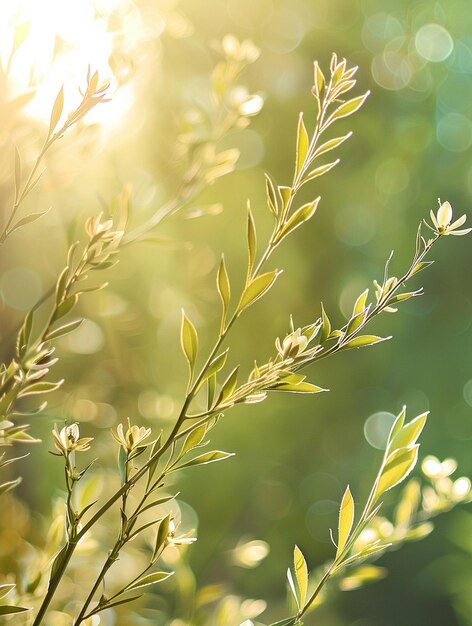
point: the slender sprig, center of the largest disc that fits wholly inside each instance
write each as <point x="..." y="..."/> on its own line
<point x="94" y="94"/>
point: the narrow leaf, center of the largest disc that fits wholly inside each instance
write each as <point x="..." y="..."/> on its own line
<point x="302" y="145"/>
<point x="408" y="435"/>
<point x="319" y="171"/>
<point x="299" y="217"/>
<point x="326" y="328"/>
<point x="228" y="386"/>
<point x="189" y="341"/>
<point x="251" y="243"/>
<point x="64" y="330"/>
<point x="397" y="424"/>
<point x="301" y="573"/>
<point x="150" y="579"/>
<point x="346" y="520"/>
<point x="256" y="289"/>
<point x="362" y="341"/>
<point x="28" y="219"/>
<point x="9" y="610"/>
<point x="360" y="302"/>
<point x="291" y="584"/>
<point x="5" y="589"/>
<point x="193" y="439"/>
<point x="56" y="111"/>
<point x="397" y="467"/>
<point x="109" y="605"/>
<point x="223" y="286"/>
<point x="271" y="196"/>
<point x="348" y="108"/>
<point x="204" y="459"/>
<point x="331" y="145"/>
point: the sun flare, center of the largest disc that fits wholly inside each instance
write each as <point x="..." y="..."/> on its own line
<point x="49" y="43"/>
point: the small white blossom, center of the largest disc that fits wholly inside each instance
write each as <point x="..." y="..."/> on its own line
<point x="442" y="221"/>
<point x="68" y="439"/>
<point x="133" y="437"/>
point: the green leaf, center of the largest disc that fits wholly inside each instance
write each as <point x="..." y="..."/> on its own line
<point x="193" y="439"/>
<point x="365" y="553"/>
<point x="271" y="196"/>
<point x="297" y="387"/>
<point x="397" y="467"/>
<point x="64" y="330"/>
<point x="348" y="108"/>
<point x="360" y="302"/>
<point x="66" y="306"/>
<point x="223" y="286"/>
<point x="291" y="584"/>
<point x="256" y="289"/>
<point x="228" y="386"/>
<point x="319" y="171"/>
<point x="150" y="579"/>
<point x="56" y="112"/>
<point x="189" y="341"/>
<point x="204" y="459"/>
<point x="421" y="266"/>
<point x="326" y="328"/>
<point x="318" y="82"/>
<point x="161" y="537"/>
<point x="122" y="464"/>
<point x="211" y="389"/>
<point x="24" y="334"/>
<point x="38" y="388"/>
<point x="299" y="217"/>
<point x="408" y="435"/>
<point x="9" y="610"/>
<point x="397" y="424"/>
<point x="251" y="243"/>
<point x="331" y="145"/>
<point x="290" y="621"/>
<point x="109" y="605"/>
<point x="301" y="573"/>
<point x="356" y="322"/>
<point x="61" y="284"/>
<point x="303" y="143"/>
<point x="28" y="219"/>
<point x="363" y="341"/>
<point x="5" y="589"/>
<point x="285" y="194"/>
<point x="214" y="367"/>
<point x="346" y="520"/>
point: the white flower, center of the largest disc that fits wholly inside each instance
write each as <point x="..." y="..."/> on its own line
<point x="442" y="221"/>
<point x="68" y="439"/>
<point x="133" y="437"/>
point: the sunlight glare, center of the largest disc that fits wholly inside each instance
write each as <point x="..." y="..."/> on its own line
<point x="49" y="43"/>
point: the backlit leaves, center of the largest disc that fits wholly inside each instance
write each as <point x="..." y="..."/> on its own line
<point x="362" y="341"/>
<point x="303" y="142"/>
<point x="56" y="112"/>
<point x="301" y="573"/>
<point x="256" y="289"/>
<point x="189" y="341"/>
<point x="346" y="520"/>
<point x="207" y="457"/>
<point x="397" y="467"/>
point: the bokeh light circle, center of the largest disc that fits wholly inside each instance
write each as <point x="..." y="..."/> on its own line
<point x="434" y="43"/>
<point x="377" y="428"/>
<point x="454" y="132"/>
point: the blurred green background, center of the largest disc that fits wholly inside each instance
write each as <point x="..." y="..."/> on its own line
<point x="294" y="455"/>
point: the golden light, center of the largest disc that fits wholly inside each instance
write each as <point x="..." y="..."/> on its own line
<point x="49" y="43"/>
